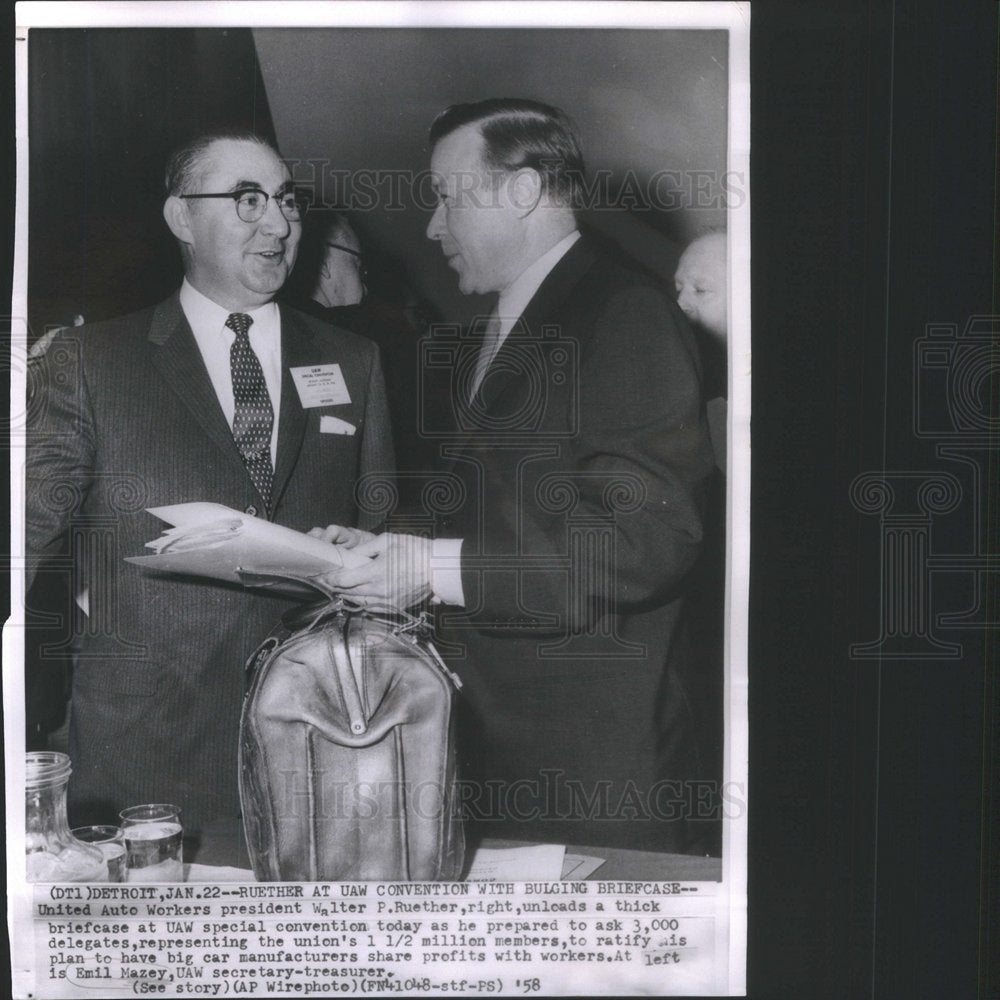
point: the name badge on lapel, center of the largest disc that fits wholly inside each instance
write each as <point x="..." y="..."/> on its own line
<point x="320" y="385"/>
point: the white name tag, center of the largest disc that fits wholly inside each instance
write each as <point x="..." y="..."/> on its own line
<point x="320" y="385"/>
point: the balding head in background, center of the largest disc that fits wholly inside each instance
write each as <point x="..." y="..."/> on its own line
<point x="700" y="281"/>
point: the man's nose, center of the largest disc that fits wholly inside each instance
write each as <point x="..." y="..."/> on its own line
<point x="435" y="228"/>
<point x="273" y="220"/>
<point x="684" y="301"/>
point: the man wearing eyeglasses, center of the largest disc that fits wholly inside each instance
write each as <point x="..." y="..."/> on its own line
<point x="340" y="278"/>
<point x="200" y="398"/>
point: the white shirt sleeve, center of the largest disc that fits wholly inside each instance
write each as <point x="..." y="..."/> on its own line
<point x="446" y="571"/>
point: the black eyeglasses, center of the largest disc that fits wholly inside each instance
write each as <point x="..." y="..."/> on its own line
<point x="251" y="203"/>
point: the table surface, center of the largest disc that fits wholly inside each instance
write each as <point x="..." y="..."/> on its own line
<point x="619" y="863"/>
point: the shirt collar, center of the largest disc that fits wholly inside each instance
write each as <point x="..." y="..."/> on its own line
<point x="520" y="292"/>
<point x="204" y="314"/>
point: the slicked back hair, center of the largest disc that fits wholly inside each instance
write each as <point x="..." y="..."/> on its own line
<point x="517" y="133"/>
<point x="186" y="163"/>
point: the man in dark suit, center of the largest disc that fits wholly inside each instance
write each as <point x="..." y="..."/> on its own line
<point x="200" y="398"/>
<point x="580" y="451"/>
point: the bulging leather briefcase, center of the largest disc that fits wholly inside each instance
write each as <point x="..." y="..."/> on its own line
<point x="347" y="759"/>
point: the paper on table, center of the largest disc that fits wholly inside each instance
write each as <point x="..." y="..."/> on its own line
<point x="209" y="539"/>
<point x="211" y="873"/>
<point x="542" y="863"/>
<point x="579" y="866"/>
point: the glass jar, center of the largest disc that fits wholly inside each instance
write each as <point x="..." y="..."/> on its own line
<point x="52" y="853"/>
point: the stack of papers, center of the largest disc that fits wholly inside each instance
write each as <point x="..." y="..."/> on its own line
<point x="209" y="539"/>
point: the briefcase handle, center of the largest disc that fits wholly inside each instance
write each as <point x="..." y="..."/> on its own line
<point x="308" y="617"/>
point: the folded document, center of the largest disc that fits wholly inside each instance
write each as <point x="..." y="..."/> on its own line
<point x="209" y="539"/>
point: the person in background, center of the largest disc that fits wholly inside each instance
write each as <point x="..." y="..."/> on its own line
<point x="49" y="606"/>
<point x="337" y="281"/>
<point x="702" y="292"/>
<point x="580" y="452"/>
<point x="701" y="282"/>
<point x="195" y="399"/>
<point x="332" y="262"/>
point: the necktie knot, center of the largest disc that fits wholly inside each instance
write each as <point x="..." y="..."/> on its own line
<point x="239" y="323"/>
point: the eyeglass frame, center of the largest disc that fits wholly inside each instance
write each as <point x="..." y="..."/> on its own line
<point x="300" y="201"/>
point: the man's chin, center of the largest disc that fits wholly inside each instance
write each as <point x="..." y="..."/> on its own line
<point x="268" y="284"/>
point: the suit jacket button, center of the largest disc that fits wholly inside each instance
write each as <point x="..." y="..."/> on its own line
<point x="251" y="510"/>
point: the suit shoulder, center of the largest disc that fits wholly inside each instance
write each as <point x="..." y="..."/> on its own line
<point x="114" y="340"/>
<point x="616" y="299"/>
<point x="611" y="271"/>
<point x="612" y="286"/>
<point x="131" y="324"/>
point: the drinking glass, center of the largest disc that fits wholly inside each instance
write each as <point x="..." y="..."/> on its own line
<point x="110" y="841"/>
<point x="153" y="842"/>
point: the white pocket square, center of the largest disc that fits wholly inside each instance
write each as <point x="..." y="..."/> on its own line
<point x="334" y="425"/>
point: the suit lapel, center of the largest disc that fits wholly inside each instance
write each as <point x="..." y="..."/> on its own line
<point x="558" y="285"/>
<point x="175" y="354"/>
<point x="544" y="307"/>
<point x="296" y="350"/>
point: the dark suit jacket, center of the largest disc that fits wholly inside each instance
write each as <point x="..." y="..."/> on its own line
<point x="126" y="418"/>
<point x="581" y="467"/>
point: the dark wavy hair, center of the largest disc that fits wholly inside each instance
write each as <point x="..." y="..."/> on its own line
<point x="517" y="133"/>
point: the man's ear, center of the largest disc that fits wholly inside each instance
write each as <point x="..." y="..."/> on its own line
<point x="175" y="214"/>
<point x="525" y="190"/>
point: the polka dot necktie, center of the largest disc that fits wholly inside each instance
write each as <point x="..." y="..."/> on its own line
<point x="254" y="415"/>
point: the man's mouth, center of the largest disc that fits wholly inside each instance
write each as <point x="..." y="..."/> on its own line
<point x="271" y="256"/>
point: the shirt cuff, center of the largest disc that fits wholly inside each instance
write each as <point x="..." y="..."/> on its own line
<point x="446" y="571"/>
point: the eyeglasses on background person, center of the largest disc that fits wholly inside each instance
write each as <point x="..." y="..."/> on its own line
<point x="362" y="266"/>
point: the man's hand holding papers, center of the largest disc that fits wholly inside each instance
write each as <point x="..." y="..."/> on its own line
<point x="215" y="541"/>
<point x="388" y="568"/>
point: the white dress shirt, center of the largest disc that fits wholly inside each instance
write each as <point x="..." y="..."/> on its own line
<point x="215" y="339"/>
<point x="446" y="553"/>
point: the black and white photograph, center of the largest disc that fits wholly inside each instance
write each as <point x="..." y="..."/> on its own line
<point x="380" y="407"/>
<point x="417" y="586"/>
